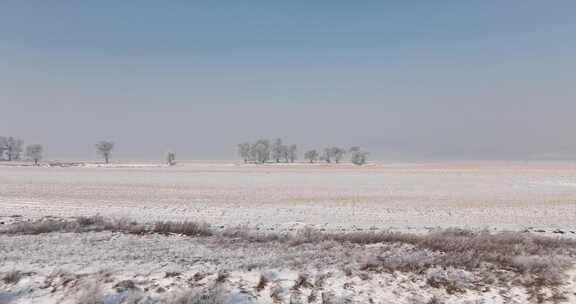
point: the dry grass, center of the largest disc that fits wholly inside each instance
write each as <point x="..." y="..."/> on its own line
<point x="211" y="295"/>
<point x="99" y="223"/>
<point x="184" y="228"/>
<point x="12" y="277"/>
<point x="39" y="227"/>
<point x="302" y="282"/>
<point x="446" y="258"/>
<point x="91" y="293"/>
<point x="262" y="282"/>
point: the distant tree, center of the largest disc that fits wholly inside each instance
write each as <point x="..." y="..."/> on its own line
<point x="285" y="153"/>
<point x="278" y="150"/>
<point x="12" y="147"/>
<point x="171" y="159"/>
<point x="263" y="151"/>
<point x="104" y="148"/>
<point x="244" y="151"/>
<point x="3" y="146"/>
<point x="357" y="156"/>
<point x="326" y="155"/>
<point x="34" y="152"/>
<point x="311" y="156"/>
<point x="292" y="153"/>
<point x="337" y="153"/>
<point x="260" y="151"/>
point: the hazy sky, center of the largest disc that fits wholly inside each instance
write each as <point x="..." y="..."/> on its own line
<point x="403" y="79"/>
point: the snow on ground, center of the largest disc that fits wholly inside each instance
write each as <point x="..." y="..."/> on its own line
<point x="407" y="197"/>
<point x="62" y="267"/>
<point x="402" y="196"/>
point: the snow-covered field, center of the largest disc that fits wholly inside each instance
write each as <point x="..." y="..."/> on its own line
<point x="402" y="196"/>
<point x="115" y="267"/>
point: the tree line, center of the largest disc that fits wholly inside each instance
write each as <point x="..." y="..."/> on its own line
<point x="263" y="151"/>
<point x="260" y="151"/>
<point x="266" y="151"/>
<point x="11" y="148"/>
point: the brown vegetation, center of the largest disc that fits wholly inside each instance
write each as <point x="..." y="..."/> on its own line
<point x="454" y="260"/>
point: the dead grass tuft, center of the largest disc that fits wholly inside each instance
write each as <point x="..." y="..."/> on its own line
<point x="303" y="281"/>
<point x="434" y="300"/>
<point x="39" y="227"/>
<point x="262" y="283"/>
<point x="12" y="277"/>
<point x="99" y="223"/>
<point x="95" y="220"/>
<point x="222" y="276"/>
<point x="185" y="228"/>
<point x="211" y="295"/>
<point x="91" y="293"/>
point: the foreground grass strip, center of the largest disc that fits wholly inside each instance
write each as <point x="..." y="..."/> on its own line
<point x="519" y="252"/>
<point x="453" y="259"/>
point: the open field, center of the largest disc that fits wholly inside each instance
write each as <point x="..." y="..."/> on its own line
<point x="511" y="196"/>
<point x="288" y="233"/>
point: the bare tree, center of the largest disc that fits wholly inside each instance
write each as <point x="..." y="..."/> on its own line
<point x="12" y="147"/>
<point x="244" y="151"/>
<point x="357" y="156"/>
<point x="327" y="155"/>
<point x="263" y="151"/>
<point x="311" y="156"/>
<point x="337" y="153"/>
<point x="285" y="153"/>
<point x="171" y="159"/>
<point x="3" y="146"/>
<point x="260" y="151"/>
<point x="34" y="152"/>
<point x="278" y="150"/>
<point x="292" y="153"/>
<point x="104" y="148"/>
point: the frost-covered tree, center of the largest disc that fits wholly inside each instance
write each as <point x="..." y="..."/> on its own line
<point x="3" y="147"/>
<point x="263" y="151"/>
<point x="171" y="159"/>
<point x="326" y="155"/>
<point x="333" y="154"/>
<point x="311" y="156"/>
<point x="260" y="151"/>
<point x="357" y="156"/>
<point x="278" y="150"/>
<point x="104" y="149"/>
<point x="292" y="152"/>
<point x="244" y="151"/>
<point x="337" y="153"/>
<point x="11" y="147"/>
<point x="34" y="153"/>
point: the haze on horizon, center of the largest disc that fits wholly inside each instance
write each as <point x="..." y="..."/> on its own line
<point x="403" y="80"/>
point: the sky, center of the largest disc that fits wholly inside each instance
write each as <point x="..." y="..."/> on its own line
<point x="405" y="80"/>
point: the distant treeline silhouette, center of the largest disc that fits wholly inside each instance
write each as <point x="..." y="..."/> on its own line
<point x="261" y="151"/>
<point x="266" y="151"/>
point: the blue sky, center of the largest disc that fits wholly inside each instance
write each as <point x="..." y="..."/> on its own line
<point x="404" y="79"/>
